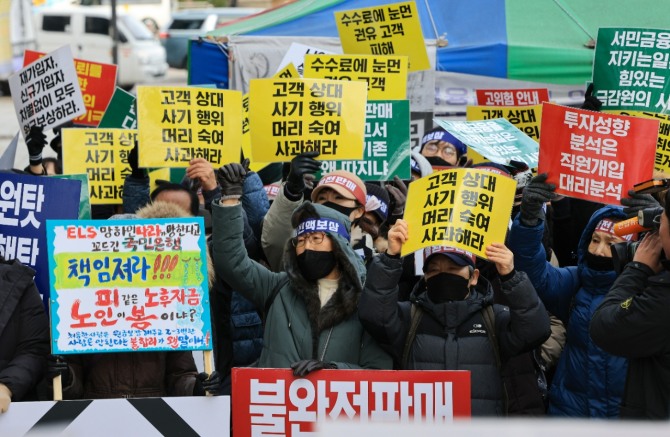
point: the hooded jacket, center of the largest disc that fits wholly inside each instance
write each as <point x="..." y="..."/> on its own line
<point x="134" y="374"/>
<point x="588" y="381"/>
<point x="452" y="335"/>
<point x="296" y="326"/>
<point x="24" y="330"/>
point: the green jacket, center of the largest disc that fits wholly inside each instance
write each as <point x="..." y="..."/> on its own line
<point x="296" y="327"/>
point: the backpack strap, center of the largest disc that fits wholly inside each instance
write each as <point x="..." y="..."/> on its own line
<point x="489" y="320"/>
<point x="270" y="299"/>
<point x="416" y="312"/>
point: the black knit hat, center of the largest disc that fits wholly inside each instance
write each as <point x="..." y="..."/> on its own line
<point x="374" y="190"/>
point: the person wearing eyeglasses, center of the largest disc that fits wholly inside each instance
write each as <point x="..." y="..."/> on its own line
<point x="311" y="319"/>
<point x="439" y="146"/>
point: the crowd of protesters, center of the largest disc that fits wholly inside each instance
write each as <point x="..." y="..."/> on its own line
<point x="536" y="328"/>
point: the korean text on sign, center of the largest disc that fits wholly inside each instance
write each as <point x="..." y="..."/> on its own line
<point x="178" y="124"/>
<point x="26" y="202"/>
<point x="596" y="156"/>
<point x="497" y="140"/>
<point x="525" y="118"/>
<point x="96" y="82"/>
<point x="630" y="69"/>
<point x="387" y="151"/>
<point x="662" y="161"/>
<point x="468" y="209"/>
<point x="386" y="76"/>
<point x="46" y="93"/>
<point x="103" y="155"/>
<point x="289" y="116"/>
<point x="516" y="97"/>
<point x="392" y="29"/>
<point x="120" y="112"/>
<point x="129" y="285"/>
<point x="274" y="402"/>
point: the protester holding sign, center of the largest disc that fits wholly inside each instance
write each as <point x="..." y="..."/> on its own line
<point x="588" y="381"/>
<point x="24" y="333"/>
<point x="311" y="317"/>
<point x="438" y="143"/>
<point x="463" y="329"/>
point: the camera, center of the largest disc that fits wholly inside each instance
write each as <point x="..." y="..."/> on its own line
<point x="623" y="253"/>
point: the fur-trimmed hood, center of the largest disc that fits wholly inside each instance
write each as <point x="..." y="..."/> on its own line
<point x="170" y="210"/>
<point x="344" y="302"/>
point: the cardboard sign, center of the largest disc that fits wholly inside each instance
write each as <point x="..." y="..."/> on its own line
<point x="46" y="93"/>
<point x="274" y="402"/>
<point x="630" y="69"/>
<point x="291" y="116"/>
<point x="662" y="161"/>
<point x="525" y="118"/>
<point x="518" y="97"/>
<point x="464" y="208"/>
<point x="393" y="29"/>
<point x="102" y="154"/>
<point x="386" y="76"/>
<point x="26" y="202"/>
<point x="497" y="140"/>
<point x="595" y="156"/>
<point x="128" y="285"/>
<point x="295" y="55"/>
<point x="96" y="82"/>
<point x="120" y="112"/>
<point x="387" y="151"/>
<point x="178" y="124"/>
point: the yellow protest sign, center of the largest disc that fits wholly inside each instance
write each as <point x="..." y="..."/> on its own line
<point x="177" y="124"/>
<point x="246" y="137"/>
<point x="386" y="76"/>
<point x="662" y="159"/>
<point x="288" y="72"/>
<point x="527" y="119"/>
<point x="103" y="155"/>
<point x="392" y="29"/>
<point x="291" y="116"/>
<point x="464" y="208"/>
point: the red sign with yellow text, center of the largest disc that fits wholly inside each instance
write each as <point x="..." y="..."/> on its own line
<point x="274" y="402"/>
<point x="97" y="82"/>
<point x="520" y="97"/>
<point x="596" y="156"/>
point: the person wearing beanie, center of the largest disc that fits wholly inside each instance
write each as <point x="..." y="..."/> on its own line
<point x="588" y="381"/>
<point x="440" y="143"/>
<point x="340" y="190"/>
<point x="451" y="322"/>
<point x="366" y="231"/>
<point x="311" y="319"/>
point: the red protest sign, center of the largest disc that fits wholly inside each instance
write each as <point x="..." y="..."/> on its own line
<point x="273" y="401"/>
<point x="97" y="82"/>
<point x="520" y="97"/>
<point x="596" y="156"/>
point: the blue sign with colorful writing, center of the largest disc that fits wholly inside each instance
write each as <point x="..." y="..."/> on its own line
<point x="128" y="285"/>
<point x="26" y="202"/>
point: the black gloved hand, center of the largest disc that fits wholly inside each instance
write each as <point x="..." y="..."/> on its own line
<point x="591" y="102"/>
<point x="464" y="162"/>
<point x="637" y="202"/>
<point x="300" y="166"/>
<point x="133" y="159"/>
<point x="57" y="365"/>
<point x="398" y="193"/>
<point x="205" y="383"/>
<point x="303" y="367"/>
<point x="35" y="140"/>
<point x="231" y="179"/>
<point x="535" y="195"/>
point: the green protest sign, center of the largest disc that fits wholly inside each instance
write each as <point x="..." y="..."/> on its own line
<point x="120" y="113"/>
<point x="387" y="150"/>
<point x="497" y="140"/>
<point x="630" y="69"/>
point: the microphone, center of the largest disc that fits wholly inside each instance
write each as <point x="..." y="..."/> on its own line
<point x="646" y="220"/>
<point x="627" y="227"/>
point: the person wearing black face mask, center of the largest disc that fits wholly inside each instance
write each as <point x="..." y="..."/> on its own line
<point x="588" y="381"/>
<point x="452" y="332"/>
<point x="311" y="322"/>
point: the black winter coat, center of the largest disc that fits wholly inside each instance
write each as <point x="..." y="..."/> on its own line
<point x="452" y="335"/>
